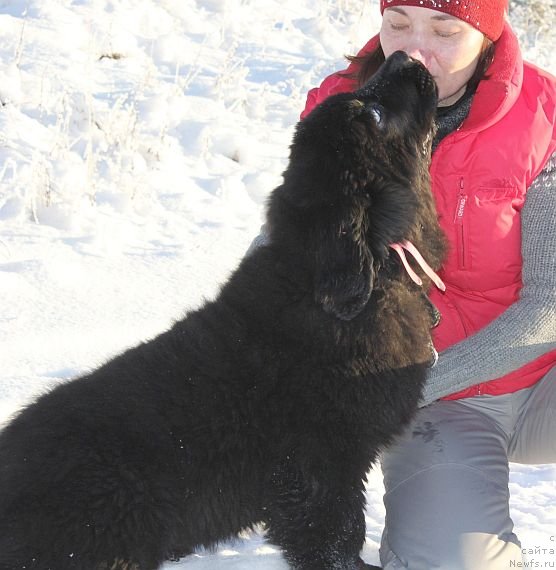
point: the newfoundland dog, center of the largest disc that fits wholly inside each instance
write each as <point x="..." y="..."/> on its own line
<point x="270" y="403"/>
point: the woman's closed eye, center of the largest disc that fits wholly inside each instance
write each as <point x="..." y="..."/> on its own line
<point x="446" y="33"/>
<point x="398" y="27"/>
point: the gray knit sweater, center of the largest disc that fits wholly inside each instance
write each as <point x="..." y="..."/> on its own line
<point x="527" y="329"/>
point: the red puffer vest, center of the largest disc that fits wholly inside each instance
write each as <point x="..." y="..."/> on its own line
<point x="480" y="174"/>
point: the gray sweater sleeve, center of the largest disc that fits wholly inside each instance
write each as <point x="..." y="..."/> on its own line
<point x="527" y="329"/>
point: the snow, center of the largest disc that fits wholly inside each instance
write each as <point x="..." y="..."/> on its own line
<point x="139" y="140"/>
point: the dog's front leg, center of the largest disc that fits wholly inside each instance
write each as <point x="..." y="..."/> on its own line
<point x="316" y="518"/>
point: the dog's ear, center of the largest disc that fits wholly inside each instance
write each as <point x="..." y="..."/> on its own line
<point x="344" y="268"/>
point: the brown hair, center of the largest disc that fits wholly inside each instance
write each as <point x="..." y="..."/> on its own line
<point x="367" y="64"/>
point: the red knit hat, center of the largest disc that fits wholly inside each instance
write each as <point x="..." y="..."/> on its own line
<point x="485" y="15"/>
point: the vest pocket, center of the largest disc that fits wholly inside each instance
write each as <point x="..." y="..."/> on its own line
<point x="494" y="237"/>
<point x="486" y="195"/>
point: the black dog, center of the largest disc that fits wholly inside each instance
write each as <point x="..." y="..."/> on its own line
<point x="271" y="402"/>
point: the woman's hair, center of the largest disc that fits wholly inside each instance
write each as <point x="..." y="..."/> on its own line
<point x="366" y="65"/>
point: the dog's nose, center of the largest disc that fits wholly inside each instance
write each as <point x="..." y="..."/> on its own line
<point x="398" y="60"/>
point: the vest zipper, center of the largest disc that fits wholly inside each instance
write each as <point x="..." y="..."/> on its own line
<point x="458" y="221"/>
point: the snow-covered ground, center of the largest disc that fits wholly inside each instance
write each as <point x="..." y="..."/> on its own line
<point x="139" y="140"/>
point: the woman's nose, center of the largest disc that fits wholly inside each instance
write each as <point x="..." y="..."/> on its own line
<point x="417" y="53"/>
<point x="416" y="42"/>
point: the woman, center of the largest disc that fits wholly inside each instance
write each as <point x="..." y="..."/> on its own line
<point x="494" y="180"/>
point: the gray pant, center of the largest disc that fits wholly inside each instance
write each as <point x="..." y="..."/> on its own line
<point x="446" y="479"/>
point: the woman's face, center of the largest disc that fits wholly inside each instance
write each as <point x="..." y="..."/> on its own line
<point x="447" y="46"/>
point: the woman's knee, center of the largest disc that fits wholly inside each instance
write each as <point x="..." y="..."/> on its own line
<point x="446" y="483"/>
<point x="447" y="433"/>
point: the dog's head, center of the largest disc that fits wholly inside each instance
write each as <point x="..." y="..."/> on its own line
<point x="358" y="181"/>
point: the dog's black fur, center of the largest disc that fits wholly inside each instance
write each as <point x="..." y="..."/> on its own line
<point x="271" y="402"/>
